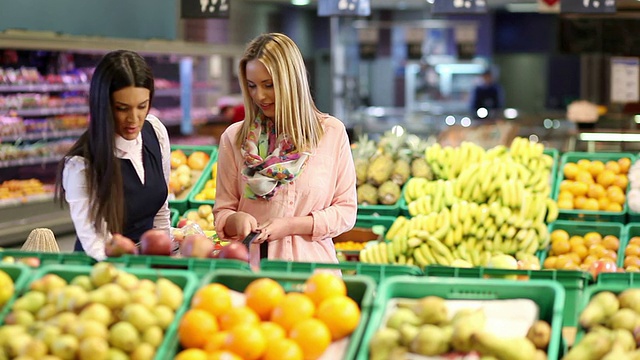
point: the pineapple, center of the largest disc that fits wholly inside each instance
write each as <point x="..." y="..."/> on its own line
<point x="419" y="165"/>
<point x="382" y="165"/>
<point x="389" y="193"/>
<point x="362" y="152"/>
<point x="367" y="194"/>
<point x="401" y="169"/>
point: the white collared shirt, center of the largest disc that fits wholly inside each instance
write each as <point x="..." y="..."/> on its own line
<point x="76" y="188"/>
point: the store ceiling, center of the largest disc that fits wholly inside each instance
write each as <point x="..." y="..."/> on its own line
<point x="623" y="5"/>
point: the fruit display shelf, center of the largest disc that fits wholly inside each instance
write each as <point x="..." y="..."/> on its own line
<point x="590" y="215"/>
<point x="359" y="288"/>
<point x="377" y="272"/>
<point x="574" y="282"/>
<point x="548" y="295"/>
<point x="199" y="267"/>
<point x="181" y="201"/>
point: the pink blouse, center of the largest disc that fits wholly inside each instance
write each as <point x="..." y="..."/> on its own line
<point x="326" y="190"/>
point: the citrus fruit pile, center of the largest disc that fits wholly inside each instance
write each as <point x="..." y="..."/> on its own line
<point x="594" y="185"/>
<point x="575" y="252"/>
<point x="271" y="324"/>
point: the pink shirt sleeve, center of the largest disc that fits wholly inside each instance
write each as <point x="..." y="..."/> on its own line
<point x="227" y="193"/>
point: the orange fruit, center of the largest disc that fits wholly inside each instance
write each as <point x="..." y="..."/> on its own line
<point x="590" y="259"/>
<point x="579" y="202"/>
<point x="632" y="268"/>
<point x="621" y="181"/>
<point x="341" y="314"/>
<point x="611" y="242"/>
<point x="560" y="247"/>
<point x="575" y="258"/>
<point x="625" y="164"/>
<point x="549" y="262"/>
<point x="323" y="285"/>
<point x="584" y="164"/>
<point x="632" y="250"/>
<point x="240" y="315"/>
<point x="313" y="337"/>
<point x="223" y="355"/>
<point x="617" y="197"/>
<point x="272" y="331"/>
<point x="579" y="188"/>
<point x="283" y="349"/>
<point x="214" y="298"/>
<point x="196" y="326"/>
<point x="262" y="295"/>
<point x="584" y="177"/>
<point x="565" y="204"/>
<point x="613" y="166"/>
<point x="571" y="266"/>
<point x="565" y="195"/>
<point x="247" y="341"/>
<point x="591" y="205"/>
<point x="295" y="307"/>
<point x="596" y="191"/>
<point x="597" y="250"/>
<point x="576" y="240"/>
<point x="581" y="251"/>
<point x="596" y="167"/>
<point x="565" y="185"/>
<point x="615" y="189"/>
<point x="562" y="261"/>
<point x="606" y="178"/>
<point x="216" y="341"/>
<point x="559" y="234"/>
<point x="614" y="207"/>
<point x="592" y="238"/>
<point x="570" y="170"/>
<point x="634" y="240"/>
<point x="603" y="203"/>
<point x="191" y="354"/>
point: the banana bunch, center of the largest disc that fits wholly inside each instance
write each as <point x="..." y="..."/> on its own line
<point x="447" y="162"/>
<point x="424" y="196"/>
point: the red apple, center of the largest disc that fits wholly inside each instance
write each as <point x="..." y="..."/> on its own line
<point x="182" y="223"/>
<point x="155" y="242"/>
<point x="598" y="267"/>
<point x="120" y="245"/>
<point x="197" y="246"/>
<point x="235" y="250"/>
<point x="31" y="261"/>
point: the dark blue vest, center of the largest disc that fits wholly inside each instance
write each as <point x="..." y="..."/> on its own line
<point x="142" y="201"/>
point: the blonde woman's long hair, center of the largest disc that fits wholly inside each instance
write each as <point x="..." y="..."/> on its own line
<point x="296" y="114"/>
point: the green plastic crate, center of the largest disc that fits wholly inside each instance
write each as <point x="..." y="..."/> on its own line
<point x="375" y="271"/>
<point x="359" y="288"/>
<point x="182" y="204"/>
<point x="65" y="258"/>
<point x="583" y="227"/>
<point x="626" y="279"/>
<point x="197" y="188"/>
<point x="382" y="210"/>
<point x="184" y="215"/>
<point x="19" y="274"/>
<point x="548" y="295"/>
<point x="591" y="291"/>
<point x="184" y="279"/>
<point x="574" y="282"/>
<point x="378" y="225"/>
<point x="630" y="230"/>
<point x="200" y="267"/>
<point x="174" y="216"/>
<point x="555" y="155"/>
<point x="589" y="215"/>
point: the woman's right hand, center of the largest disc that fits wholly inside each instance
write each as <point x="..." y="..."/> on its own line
<point x="240" y="224"/>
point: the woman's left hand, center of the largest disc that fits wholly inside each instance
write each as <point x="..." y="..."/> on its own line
<point x="273" y="229"/>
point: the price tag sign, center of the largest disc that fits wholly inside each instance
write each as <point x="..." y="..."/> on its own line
<point x="588" y="6"/>
<point x="459" y="6"/>
<point x="344" y="8"/>
<point x="204" y="9"/>
<point x="625" y="77"/>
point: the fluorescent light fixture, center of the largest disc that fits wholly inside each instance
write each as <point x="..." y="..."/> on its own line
<point x="528" y="7"/>
<point x="300" y="2"/>
<point x="432" y="1"/>
<point x="510" y="113"/>
<point x="637" y="117"/>
<point x="609" y="137"/>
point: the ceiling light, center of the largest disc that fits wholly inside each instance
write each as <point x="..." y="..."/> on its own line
<point x="300" y="2"/>
<point x="432" y="1"/>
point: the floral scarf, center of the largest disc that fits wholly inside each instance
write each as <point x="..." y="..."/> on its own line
<point x="270" y="162"/>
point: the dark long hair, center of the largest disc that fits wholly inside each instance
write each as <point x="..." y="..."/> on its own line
<point x="116" y="70"/>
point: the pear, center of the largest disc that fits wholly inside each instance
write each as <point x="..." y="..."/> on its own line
<point x="31" y="301"/>
<point x="144" y="297"/>
<point x="603" y="305"/>
<point x="98" y="312"/>
<point x="47" y="283"/>
<point x="169" y="294"/>
<point x="402" y="316"/>
<point x="623" y="339"/>
<point x="540" y="355"/>
<point x="46" y="312"/>
<point x="164" y="316"/>
<point x="382" y="342"/>
<point x="112" y="295"/>
<point x="503" y="348"/>
<point x="464" y="325"/>
<point x="89" y="328"/>
<point x="127" y="280"/>
<point x="624" y="318"/>
<point x="84" y="281"/>
<point x="65" y="347"/>
<point x="630" y="299"/>
<point x="540" y="333"/>
<point x="19" y="317"/>
<point x="93" y="348"/>
<point x="71" y="298"/>
<point x="64" y="320"/>
<point x="138" y="315"/>
<point x="147" y="284"/>
<point x="431" y="310"/>
<point x="593" y="346"/>
<point x="103" y="273"/>
<point x="124" y="336"/>
<point x="48" y="334"/>
<point x="407" y="333"/>
<point x="431" y="340"/>
<point x="143" y="351"/>
<point x="15" y="344"/>
<point x="617" y="353"/>
<point x="117" y="354"/>
<point x="35" y="349"/>
<point x="10" y="331"/>
<point x="153" y="335"/>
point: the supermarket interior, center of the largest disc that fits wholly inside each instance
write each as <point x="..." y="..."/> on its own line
<point x="495" y="144"/>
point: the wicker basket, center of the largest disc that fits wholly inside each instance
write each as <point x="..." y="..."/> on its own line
<point x="41" y="240"/>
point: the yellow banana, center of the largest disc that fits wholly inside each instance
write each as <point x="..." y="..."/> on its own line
<point x="552" y="210"/>
<point x="395" y="227"/>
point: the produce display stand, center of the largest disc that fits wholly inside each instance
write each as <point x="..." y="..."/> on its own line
<point x="590" y="215"/>
<point x="378" y="226"/>
<point x="377" y="272"/>
<point x="548" y="295"/>
<point x="359" y="288"/>
<point x="181" y="203"/>
<point x="199" y="267"/>
<point x="62" y="258"/>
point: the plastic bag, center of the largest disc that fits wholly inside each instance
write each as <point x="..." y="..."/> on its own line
<point x="178" y="234"/>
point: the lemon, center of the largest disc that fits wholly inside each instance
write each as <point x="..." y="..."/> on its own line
<point x="6" y="288"/>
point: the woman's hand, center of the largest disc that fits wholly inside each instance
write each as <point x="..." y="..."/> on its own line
<point x="273" y="229"/>
<point x="241" y="224"/>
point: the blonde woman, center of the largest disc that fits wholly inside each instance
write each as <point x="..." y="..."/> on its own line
<point x="286" y="171"/>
